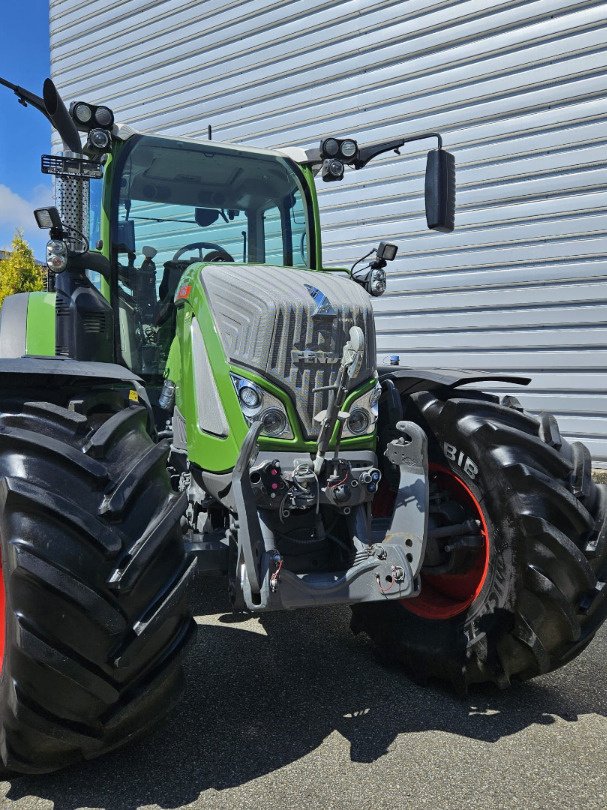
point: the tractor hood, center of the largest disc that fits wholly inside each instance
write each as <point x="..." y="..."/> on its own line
<point x="290" y="326"/>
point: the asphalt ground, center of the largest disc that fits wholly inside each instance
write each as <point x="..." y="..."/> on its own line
<point x="293" y="711"/>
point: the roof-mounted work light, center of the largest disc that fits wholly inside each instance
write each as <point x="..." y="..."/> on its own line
<point x="345" y="149"/>
<point x="90" y="116"/>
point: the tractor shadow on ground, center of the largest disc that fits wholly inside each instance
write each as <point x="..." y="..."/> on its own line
<point x="265" y="694"/>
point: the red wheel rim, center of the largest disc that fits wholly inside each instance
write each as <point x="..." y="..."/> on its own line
<point x="444" y="596"/>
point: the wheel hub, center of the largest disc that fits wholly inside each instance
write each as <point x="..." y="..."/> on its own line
<point x="458" y="550"/>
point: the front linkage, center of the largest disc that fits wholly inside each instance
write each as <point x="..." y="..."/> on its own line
<point x="384" y="562"/>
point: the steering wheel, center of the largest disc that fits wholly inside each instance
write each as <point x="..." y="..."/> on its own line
<point x="217" y="252"/>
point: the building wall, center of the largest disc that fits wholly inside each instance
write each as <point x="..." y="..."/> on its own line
<point x="519" y="91"/>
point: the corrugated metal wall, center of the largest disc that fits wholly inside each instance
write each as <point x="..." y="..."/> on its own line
<point x="519" y="90"/>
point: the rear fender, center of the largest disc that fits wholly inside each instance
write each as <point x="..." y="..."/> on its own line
<point x="59" y="379"/>
<point x="56" y="371"/>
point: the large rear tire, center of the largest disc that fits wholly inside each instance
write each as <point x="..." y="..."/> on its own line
<point x="533" y="594"/>
<point x="94" y="579"/>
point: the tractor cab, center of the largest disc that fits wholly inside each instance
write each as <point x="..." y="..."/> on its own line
<point x="172" y="203"/>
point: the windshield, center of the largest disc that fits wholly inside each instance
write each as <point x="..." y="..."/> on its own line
<point x="177" y="202"/>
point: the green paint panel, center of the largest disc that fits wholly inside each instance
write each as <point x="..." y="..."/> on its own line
<point x="208" y="451"/>
<point x="315" y="213"/>
<point x="40" y="333"/>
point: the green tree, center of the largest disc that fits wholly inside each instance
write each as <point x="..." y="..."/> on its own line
<point x="19" y="271"/>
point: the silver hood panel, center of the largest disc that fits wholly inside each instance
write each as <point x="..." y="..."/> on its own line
<point x="271" y="320"/>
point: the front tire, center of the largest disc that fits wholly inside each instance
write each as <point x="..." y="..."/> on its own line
<point x="533" y="594"/>
<point x="94" y="575"/>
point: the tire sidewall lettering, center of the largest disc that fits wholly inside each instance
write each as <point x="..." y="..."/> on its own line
<point x="459" y="457"/>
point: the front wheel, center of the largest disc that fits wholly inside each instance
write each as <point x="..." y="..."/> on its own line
<point x="513" y="581"/>
<point x="94" y="575"/>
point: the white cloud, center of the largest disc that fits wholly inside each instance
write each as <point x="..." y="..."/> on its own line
<point x="17" y="212"/>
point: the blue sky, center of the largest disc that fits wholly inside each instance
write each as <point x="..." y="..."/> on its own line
<point x="25" y="133"/>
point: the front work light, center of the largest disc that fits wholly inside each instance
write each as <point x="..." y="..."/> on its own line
<point x="48" y="218"/>
<point x="332" y="170"/>
<point x="81" y="113"/>
<point x="349" y="148"/>
<point x="387" y="251"/>
<point x="346" y="149"/>
<point x="89" y="116"/>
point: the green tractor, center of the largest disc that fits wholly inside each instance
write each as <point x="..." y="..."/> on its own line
<point x="198" y="389"/>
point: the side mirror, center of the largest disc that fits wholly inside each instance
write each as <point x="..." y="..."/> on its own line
<point x="205" y="216"/>
<point x="440" y="190"/>
<point x="125" y="236"/>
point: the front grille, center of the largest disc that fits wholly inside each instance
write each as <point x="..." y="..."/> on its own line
<point x="298" y="330"/>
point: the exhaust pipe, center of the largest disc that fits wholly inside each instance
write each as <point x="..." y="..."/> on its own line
<point x="60" y="117"/>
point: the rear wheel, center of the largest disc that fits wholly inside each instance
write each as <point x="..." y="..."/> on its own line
<point x="513" y="582"/>
<point x="94" y="576"/>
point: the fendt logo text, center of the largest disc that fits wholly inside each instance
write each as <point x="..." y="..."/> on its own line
<point x="310" y="356"/>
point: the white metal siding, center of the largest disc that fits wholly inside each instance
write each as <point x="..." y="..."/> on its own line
<point x="519" y="90"/>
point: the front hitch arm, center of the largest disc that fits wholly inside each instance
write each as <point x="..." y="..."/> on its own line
<point x="410" y="519"/>
<point x="250" y="538"/>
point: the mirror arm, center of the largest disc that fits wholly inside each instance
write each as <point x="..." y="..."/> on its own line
<point x="367" y="153"/>
<point x="372" y="150"/>
<point x="25" y="97"/>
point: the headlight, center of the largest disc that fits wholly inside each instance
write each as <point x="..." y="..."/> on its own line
<point x="359" y="421"/>
<point x="330" y="147"/>
<point x="56" y="255"/>
<point x="274" y="422"/>
<point x="255" y="404"/>
<point x="99" y="138"/>
<point x="250" y="397"/>
<point x="363" y="414"/>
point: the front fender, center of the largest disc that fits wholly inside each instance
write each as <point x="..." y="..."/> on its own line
<point x="27" y="324"/>
<point x="410" y="380"/>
